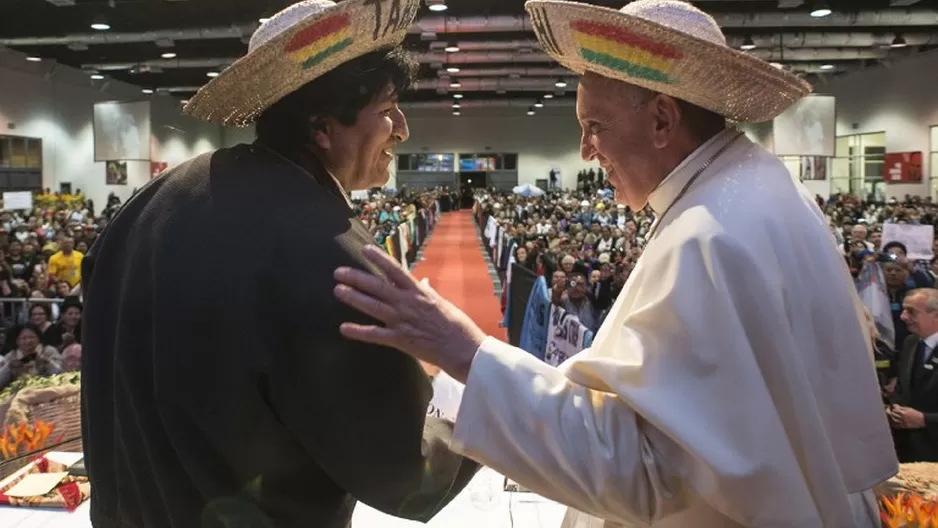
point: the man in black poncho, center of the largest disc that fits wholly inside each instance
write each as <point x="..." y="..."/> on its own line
<point x="217" y="390"/>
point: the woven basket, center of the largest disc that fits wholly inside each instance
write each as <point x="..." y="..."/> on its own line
<point x="920" y="478"/>
<point x="60" y="406"/>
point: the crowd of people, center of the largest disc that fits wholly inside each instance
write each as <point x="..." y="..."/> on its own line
<point x="41" y="252"/>
<point x="585" y="246"/>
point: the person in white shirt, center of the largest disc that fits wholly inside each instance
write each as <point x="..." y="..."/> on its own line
<point x="730" y="385"/>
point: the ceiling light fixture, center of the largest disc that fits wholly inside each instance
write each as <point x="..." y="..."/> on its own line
<point x="456" y="113"/>
<point x="457" y="96"/>
<point x="821" y="10"/>
<point x="99" y="23"/>
<point x="452" y="48"/>
<point x="548" y="96"/>
<point x="184" y="101"/>
<point x="539" y="104"/>
<point x="456" y="105"/>
<point x="898" y="42"/>
<point x="560" y="83"/>
<point x="97" y="76"/>
<point x="436" y="8"/>
<point x="748" y="44"/>
<point x="263" y="20"/>
<point x="147" y="91"/>
<point x="33" y="58"/>
<point x="827" y="66"/>
<point x="531" y="111"/>
<point x="452" y="69"/>
<point x="168" y="55"/>
<point x="212" y="74"/>
<point x="455" y="84"/>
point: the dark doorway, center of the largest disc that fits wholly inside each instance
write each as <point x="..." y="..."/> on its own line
<point x="468" y="183"/>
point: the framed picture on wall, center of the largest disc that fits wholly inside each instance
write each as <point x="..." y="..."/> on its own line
<point x="116" y="173"/>
<point x="65" y="188"/>
<point x="807" y="128"/>
<point x="813" y="168"/>
<point x="904" y="167"/>
<point x="122" y="131"/>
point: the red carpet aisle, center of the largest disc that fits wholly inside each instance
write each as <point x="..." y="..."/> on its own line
<point x="453" y="263"/>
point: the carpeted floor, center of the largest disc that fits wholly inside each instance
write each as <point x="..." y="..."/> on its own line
<point x="453" y="262"/>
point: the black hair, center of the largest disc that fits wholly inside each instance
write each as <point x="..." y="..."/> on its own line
<point x="340" y="94"/>
<point x="895" y="244"/>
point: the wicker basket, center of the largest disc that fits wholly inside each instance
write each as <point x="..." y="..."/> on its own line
<point x="920" y="478"/>
<point x="59" y="406"/>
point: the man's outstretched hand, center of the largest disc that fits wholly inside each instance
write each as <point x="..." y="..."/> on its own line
<point x="417" y="320"/>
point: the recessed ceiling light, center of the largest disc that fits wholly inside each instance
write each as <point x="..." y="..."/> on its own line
<point x="452" y="69"/>
<point x="97" y="76"/>
<point x="454" y="84"/>
<point x="827" y="66"/>
<point x="212" y="74"/>
<point x="530" y="112"/>
<point x="456" y="105"/>
<point x="548" y="96"/>
<point x="898" y="42"/>
<point x="437" y="7"/>
<point x="100" y="26"/>
<point x="33" y="58"/>
<point x="168" y="55"/>
<point x="451" y="49"/>
<point x="147" y="91"/>
<point x="263" y="20"/>
<point x="821" y="12"/>
<point x="457" y="96"/>
<point x="538" y="105"/>
<point x="560" y="83"/>
<point x="457" y="112"/>
<point x="748" y="44"/>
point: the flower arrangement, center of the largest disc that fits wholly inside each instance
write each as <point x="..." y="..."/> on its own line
<point x="908" y="510"/>
<point x="24" y="438"/>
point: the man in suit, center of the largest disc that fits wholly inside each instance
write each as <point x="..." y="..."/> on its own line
<point x="217" y="390"/>
<point x="914" y="413"/>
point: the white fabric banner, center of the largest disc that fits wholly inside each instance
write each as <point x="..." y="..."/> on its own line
<point x="918" y="239"/>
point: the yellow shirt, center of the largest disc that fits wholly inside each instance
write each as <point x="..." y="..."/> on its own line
<point x="66" y="268"/>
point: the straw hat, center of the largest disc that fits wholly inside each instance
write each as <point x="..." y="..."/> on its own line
<point x="667" y="46"/>
<point x="297" y="45"/>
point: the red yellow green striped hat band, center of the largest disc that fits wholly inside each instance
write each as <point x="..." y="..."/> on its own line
<point x="294" y="47"/>
<point x="668" y="46"/>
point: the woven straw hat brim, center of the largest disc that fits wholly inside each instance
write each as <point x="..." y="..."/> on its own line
<point x="300" y="54"/>
<point x="742" y="88"/>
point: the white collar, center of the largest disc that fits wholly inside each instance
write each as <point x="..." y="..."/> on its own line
<point x="931" y="341"/>
<point x="671" y="186"/>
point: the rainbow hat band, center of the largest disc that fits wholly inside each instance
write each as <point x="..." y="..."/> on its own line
<point x="668" y="46"/>
<point x="296" y="46"/>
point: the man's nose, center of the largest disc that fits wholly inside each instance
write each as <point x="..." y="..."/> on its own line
<point x="587" y="152"/>
<point x="401" y="130"/>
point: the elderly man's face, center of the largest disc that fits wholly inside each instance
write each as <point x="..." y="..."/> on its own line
<point x="618" y="132"/>
<point x="359" y="155"/>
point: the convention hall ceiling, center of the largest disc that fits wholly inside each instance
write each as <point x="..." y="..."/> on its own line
<point x="174" y="46"/>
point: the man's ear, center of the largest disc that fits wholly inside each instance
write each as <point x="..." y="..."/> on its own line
<point x="319" y="132"/>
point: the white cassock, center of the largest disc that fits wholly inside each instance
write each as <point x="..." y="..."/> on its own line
<point x="732" y="384"/>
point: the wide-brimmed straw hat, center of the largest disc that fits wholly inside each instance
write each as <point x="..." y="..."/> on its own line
<point x="667" y="46"/>
<point x="296" y="46"/>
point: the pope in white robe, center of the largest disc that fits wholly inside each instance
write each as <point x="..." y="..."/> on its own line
<point x="732" y="383"/>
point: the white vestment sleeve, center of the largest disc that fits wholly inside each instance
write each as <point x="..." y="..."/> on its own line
<point x="707" y="384"/>
<point x="578" y="446"/>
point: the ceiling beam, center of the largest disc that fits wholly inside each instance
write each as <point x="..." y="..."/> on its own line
<point x="509" y="23"/>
